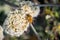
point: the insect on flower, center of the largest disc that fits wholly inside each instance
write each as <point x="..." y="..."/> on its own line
<point x="29" y="18"/>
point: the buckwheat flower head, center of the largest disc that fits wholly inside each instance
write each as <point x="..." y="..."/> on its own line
<point x="1" y="33"/>
<point x="15" y="24"/>
<point x="28" y="7"/>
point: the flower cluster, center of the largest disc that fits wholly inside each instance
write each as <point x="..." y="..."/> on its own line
<point x="15" y="24"/>
<point x="28" y="7"/>
<point x="18" y="20"/>
<point x="1" y="33"/>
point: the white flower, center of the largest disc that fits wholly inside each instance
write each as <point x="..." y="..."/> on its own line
<point x="1" y="33"/>
<point x="29" y="8"/>
<point x="48" y="17"/>
<point x="15" y="24"/>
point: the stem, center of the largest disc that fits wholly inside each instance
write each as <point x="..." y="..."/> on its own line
<point x="44" y="5"/>
<point x="16" y="6"/>
<point x="35" y="32"/>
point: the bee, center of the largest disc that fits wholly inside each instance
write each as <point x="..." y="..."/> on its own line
<point x="29" y="18"/>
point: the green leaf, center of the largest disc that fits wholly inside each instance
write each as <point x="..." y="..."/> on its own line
<point x="56" y="15"/>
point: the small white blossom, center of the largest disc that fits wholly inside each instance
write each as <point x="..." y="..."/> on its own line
<point x="15" y="24"/>
<point x="29" y="8"/>
<point x="1" y="33"/>
<point x="48" y="17"/>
